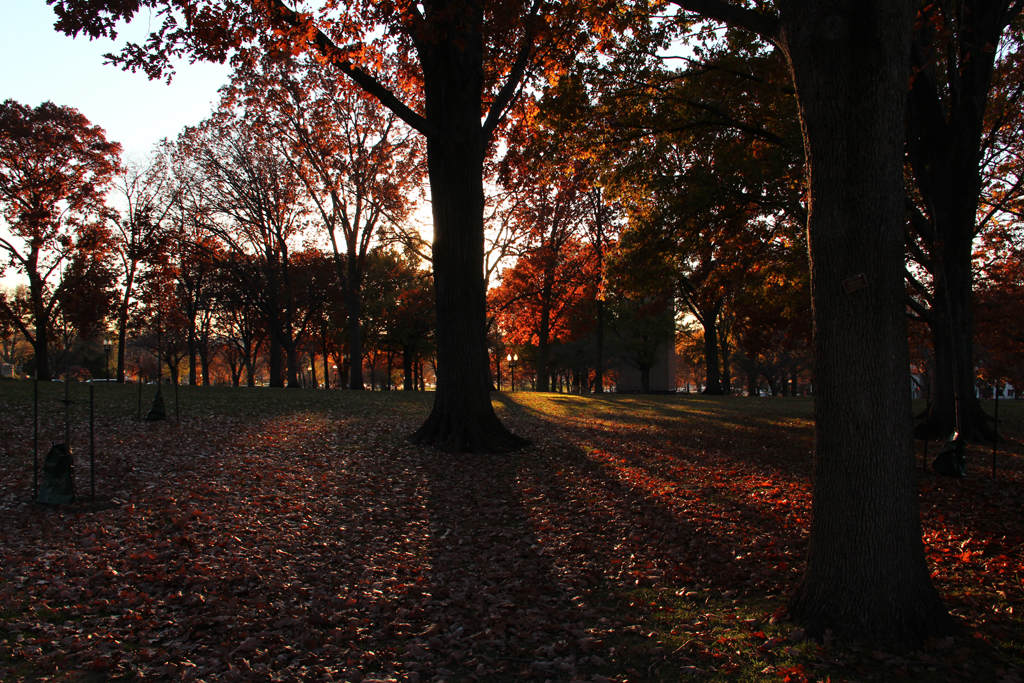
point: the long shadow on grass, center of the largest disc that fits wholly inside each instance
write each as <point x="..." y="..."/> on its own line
<point x="665" y="411"/>
<point x="533" y="553"/>
<point x="681" y="515"/>
<point x="496" y="608"/>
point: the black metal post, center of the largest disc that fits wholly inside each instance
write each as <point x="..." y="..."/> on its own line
<point x="177" y="415"/>
<point x="67" y="430"/>
<point x="140" y="395"/>
<point x="160" y="351"/>
<point x="67" y="412"/>
<point x="995" y="435"/>
<point x="35" y="435"/>
<point x="92" y="440"/>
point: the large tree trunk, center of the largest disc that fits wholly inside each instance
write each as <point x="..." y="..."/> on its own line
<point x="543" y="332"/>
<point x="292" y="352"/>
<point x="204" y="362"/>
<point x="41" y="350"/>
<point x="193" y="373"/>
<point x="953" y="337"/>
<point x="250" y="366"/>
<point x="122" y="321"/>
<point x="41" y="342"/>
<point x="711" y="371"/>
<point x="944" y="138"/>
<point x="462" y="418"/>
<point x="276" y="362"/>
<point x="645" y="379"/>
<point x="407" y="371"/>
<point x="355" y="340"/>
<point x="866" y="570"/>
<point x="122" y="338"/>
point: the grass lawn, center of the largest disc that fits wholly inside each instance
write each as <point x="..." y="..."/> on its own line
<point x="276" y="534"/>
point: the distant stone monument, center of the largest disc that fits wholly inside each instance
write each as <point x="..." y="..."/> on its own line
<point x="58" y="485"/>
<point x="663" y="373"/>
<point x="157" y="412"/>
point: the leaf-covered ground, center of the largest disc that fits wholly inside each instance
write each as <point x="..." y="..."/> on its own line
<point x="294" y="535"/>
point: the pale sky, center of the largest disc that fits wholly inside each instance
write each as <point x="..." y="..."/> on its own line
<point x="40" y="64"/>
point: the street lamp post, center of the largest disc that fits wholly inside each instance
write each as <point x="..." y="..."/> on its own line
<point x="512" y="359"/>
<point x="106" y="366"/>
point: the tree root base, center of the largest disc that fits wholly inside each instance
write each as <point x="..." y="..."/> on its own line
<point x="466" y="434"/>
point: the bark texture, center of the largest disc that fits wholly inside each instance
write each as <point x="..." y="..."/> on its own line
<point x="462" y="419"/>
<point x="866" y="572"/>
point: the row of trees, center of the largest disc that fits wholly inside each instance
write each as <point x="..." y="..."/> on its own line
<point x="872" y="165"/>
<point x="703" y="165"/>
<point x="262" y="225"/>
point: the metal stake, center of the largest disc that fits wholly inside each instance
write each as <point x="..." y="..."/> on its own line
<point x="995" y="436"/>
<point x="67" y="412"/>
<point x="35" y="435"/>
<point x="92" y="440"/>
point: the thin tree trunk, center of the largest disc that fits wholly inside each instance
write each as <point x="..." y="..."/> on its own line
<point x="193" y="375"/>
<point x="204" y="363"/>
<point x="599" y="368"/>
<point x="726" y="363"/>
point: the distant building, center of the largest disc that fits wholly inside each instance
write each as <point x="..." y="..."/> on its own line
<point x="646" y="333"/>
<point x="663" y="373"/>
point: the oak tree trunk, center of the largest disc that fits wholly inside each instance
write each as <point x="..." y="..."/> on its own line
<point x="292" y="353"/>
<point x="122" y="319"/>
<point x="407" y="372"/>
<point x="355" y="339"/>
<point x="543" y="332"/>
<point x="945" y="132"/>
<point x="711" y="371"/>
<point x="122" y="337"/>
<point x="462" y="418"/>
<point x="276" y="362"/>
<point x="866" y="571"/>
<point x="41" y="351"/>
